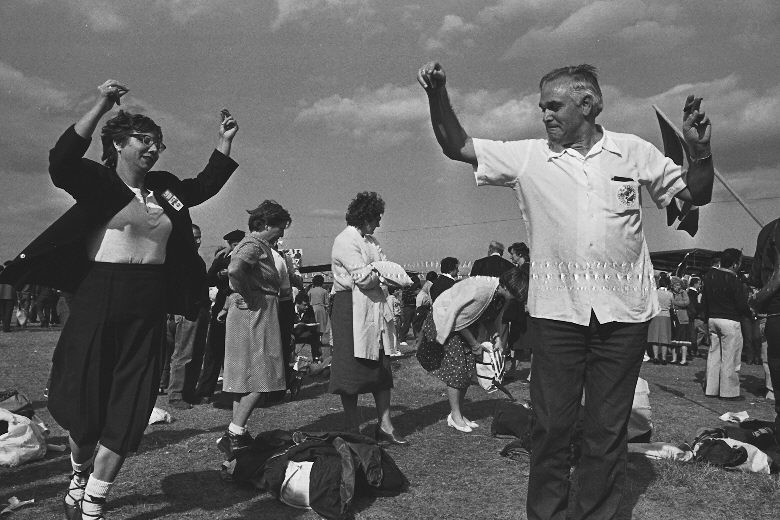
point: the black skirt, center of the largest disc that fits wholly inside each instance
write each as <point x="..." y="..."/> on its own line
<point x="107" y="362"/>
<point x="350" y="375"/>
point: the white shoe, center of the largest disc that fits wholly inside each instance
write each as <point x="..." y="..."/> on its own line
<point x="646" y="359"/>
<point x="450" y="422"/>
<point x="470" y="423"/>
<point x="403" y="344"/>
<point x="397" y="353"/>
<point x="770" y="395"/>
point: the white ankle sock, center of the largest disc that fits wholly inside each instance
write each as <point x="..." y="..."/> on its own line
<point x="95" y="497"/>
<point x="236" y="429"/>
<point x="78" y="481"/>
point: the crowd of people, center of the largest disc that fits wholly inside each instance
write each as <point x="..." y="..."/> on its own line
<point x="584" y="298"/>
<point x="711" y="317"/>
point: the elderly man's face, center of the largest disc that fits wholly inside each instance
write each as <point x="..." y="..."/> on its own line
<point x="561" y="115"/>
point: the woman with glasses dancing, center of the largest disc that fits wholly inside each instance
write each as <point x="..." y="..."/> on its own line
<point x="127" y="251"/>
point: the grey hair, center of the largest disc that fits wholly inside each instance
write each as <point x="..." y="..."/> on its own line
<point x="583" y="80"/>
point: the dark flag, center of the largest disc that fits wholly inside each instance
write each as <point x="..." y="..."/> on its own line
<point x="677" y="150"/>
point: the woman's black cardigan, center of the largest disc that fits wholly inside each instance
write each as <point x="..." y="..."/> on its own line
<point x="58" y="257"/>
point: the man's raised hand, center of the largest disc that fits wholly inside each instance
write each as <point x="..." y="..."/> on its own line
<point x="431" y="76"/>
<point x="697" y="128"/>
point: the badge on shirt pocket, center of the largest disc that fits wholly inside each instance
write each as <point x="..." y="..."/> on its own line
<point x="624" y="195"/>
<point x="173" y="200"/>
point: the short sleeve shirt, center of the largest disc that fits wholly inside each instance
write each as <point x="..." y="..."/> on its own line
<point x="259" y="254"/>
<point x="583" y="217"/>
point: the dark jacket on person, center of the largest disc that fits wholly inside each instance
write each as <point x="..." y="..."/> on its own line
<point x="694" y="306"/>
<point x="221" y="262"/>
<point x="764" y="263"/>
<point x="491" y="265"/>
<point x="202" y="302"/>
<point x="439" y="285"/>
<point x="724" y="296"/>
<point x="58" y="257"/>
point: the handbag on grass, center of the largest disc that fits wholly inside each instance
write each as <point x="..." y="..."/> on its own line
<point x="430" y="353"/>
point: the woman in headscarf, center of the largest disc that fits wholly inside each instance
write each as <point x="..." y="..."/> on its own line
<point x="361" y="320"/>
<point x="461" y="314"/>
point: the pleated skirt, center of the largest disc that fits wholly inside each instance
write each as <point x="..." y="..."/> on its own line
<point x="106" y="366"/>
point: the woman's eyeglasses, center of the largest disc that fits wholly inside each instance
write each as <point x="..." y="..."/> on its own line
<point x="149" y="140"/>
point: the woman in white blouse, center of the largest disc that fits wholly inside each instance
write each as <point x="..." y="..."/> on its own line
<point x="127" y="252"/>
<point x="360" y="320"/>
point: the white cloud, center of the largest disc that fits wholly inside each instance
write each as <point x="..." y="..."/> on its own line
<point x="453" y="28"/>
<point x="104" y="16"/>
<point x="651" y="37"/>
<point x="743" y="117"/>
<point x="101" y="15"/>
<point x="325" y="213"/>
<point x="583" y="27"/>
<point x="499" y="114"/>
<point x="755" y="183"/>
<point x="383" y="117"/>
<point x="298" y="10"/>
<point x="505" y="11"/>
<point x="31" y="90"/>
<point x="183" y="10"/>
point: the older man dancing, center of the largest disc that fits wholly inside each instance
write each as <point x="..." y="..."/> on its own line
<point x="591" y="279"/>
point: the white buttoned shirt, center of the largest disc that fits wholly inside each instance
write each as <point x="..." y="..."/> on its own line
<point x="583" y="217"/>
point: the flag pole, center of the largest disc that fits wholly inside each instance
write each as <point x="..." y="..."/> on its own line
<point x="717" y="173"/>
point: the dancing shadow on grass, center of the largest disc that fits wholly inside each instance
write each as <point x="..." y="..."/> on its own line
<point x="204" y="491"/>
<point x="640" y="473"/>
<point x="160" y="438"/>
<point x="750" y="383"/>
<point x="417" y="419"/>
<point x="754" y="385"/>
<point x="696" y="401"/>
<point x="25" y="480"/>
<point x="185" y="492"/>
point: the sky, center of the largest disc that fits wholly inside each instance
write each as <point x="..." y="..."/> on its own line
<point x="327" y="103"/>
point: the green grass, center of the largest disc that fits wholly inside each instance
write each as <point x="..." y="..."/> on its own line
<point x="453" y="475"/>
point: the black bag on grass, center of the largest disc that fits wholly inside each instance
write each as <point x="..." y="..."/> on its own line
<point x="430" y="353"/>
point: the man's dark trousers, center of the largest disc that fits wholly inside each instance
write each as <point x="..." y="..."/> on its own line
<point x="604" y="361"/>
<point x="213" y="357"/>
<point x="772" y="333"/>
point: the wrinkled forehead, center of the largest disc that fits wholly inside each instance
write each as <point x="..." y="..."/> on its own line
<point x="557" y="88"/>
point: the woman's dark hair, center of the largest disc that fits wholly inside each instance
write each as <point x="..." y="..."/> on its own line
<point x="365" y="207"/>
<point x="318" y="280"/>
<point x="515" y="280"/>
<point x="268" y="213"/>
<point x="431" y="276"/>
<point x="520" y="249"/>
<point x="730" y="257"/>
<point x="118" y="130"/>
<point x="664" y="280"/>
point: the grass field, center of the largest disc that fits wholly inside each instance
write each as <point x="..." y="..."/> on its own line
<point x="453" y="475"/>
